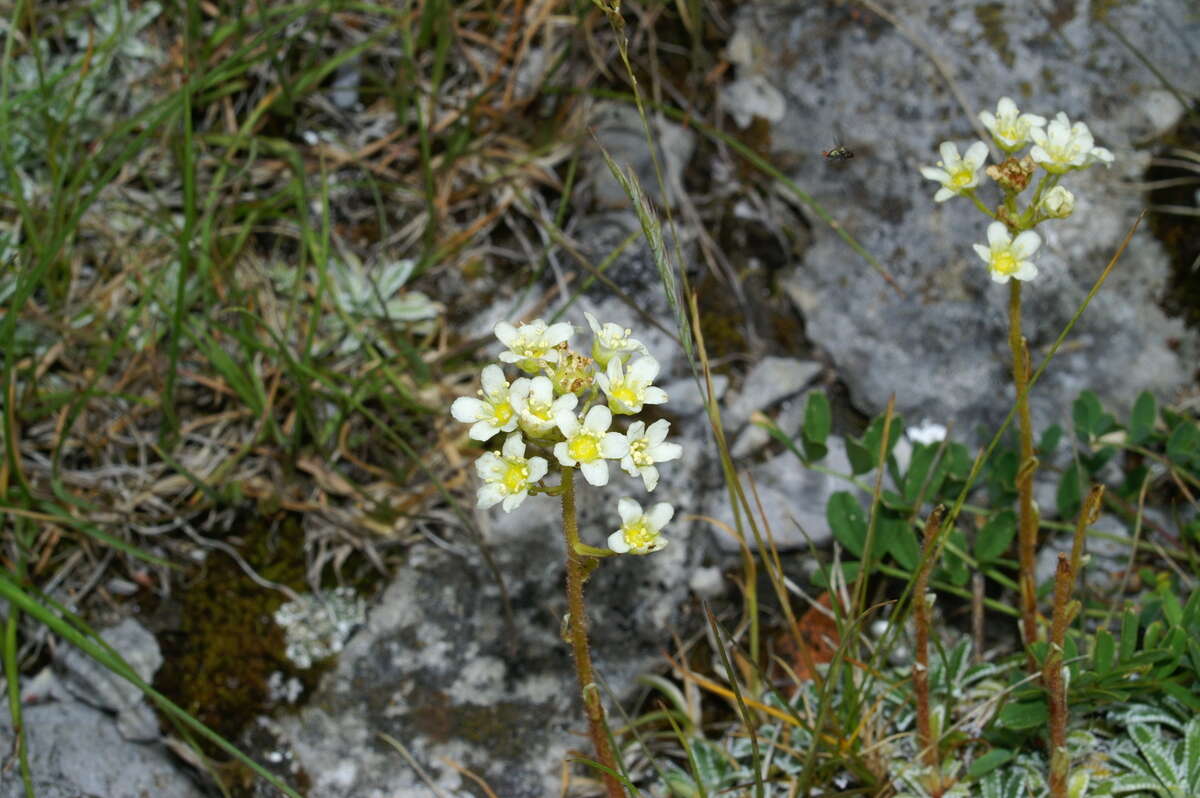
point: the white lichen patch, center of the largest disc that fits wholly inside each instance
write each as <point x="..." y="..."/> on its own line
<point x="317" y="625"/>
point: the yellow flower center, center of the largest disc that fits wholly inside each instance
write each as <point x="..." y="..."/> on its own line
<point x="540" y="411"/>
<point x="962" y="177"/>
<point x="583" y="448"/>
<point x="501" y="413"/>
<point x="637" y="450"/>
<point x="638" y="536"/>
<point x="625" y="394"/>
<point x="516" y="476"/>
<point x="1004" y="262"/>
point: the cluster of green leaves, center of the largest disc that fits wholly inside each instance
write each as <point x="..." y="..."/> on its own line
<point x="1161" y="437"/>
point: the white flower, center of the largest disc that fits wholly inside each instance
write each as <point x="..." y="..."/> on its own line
<point x="926" y="433"/>
<point x="1008" y="126"/>
<point x="1058" y="203"/>
<point x="588" y="444"/>
<point x="646" y="447"/>
<point x="639" y="532"/>
<point x="536" y="407"/>
<point x="532" y="345"/>
<point x="957" y="175"/>
<point x="1008" y="258"/>
<point x="1062" y="146"/>
<point x="628" y="392"/>
<point x="612" y="340"/>
<point x="494" y="413"/>
<point x="508" y="474"/>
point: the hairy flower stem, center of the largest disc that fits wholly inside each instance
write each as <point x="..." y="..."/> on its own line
<point x="1052" y="678"/>
<point x="925" y="742"/>
<point x="576" y="573"/>
<point x="1065" y="611"/>
<point x="1027" y="528"/>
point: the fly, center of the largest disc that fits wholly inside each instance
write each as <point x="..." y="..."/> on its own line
<point x="839" y="152"/>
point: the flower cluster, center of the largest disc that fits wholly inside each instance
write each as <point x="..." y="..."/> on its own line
<point x="564" y="406"/>
<point x="1059" y="147"/>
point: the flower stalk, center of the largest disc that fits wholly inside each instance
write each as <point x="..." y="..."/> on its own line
<point x="1054" y="675"/>
<point x="590" y="691"/>
<point x="1027" y="516"/>
<point x="925" y="742"/>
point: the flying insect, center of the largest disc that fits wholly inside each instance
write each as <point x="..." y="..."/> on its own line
<point x="839" y="152"/>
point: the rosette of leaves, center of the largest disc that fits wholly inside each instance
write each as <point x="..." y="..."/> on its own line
<point x="1160" y="757"/>
<point x="376" y="296"/>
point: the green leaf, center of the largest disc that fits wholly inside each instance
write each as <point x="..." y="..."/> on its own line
<point x="1183" y="695"/>
<point x="1154" y="633"/>
<point x="1102" y="656"/>
<point x="1141" y="419"/>
<point x="989" y="762"/>
<point x="1067" y="498"/>
<point x="861" y="461"/>
<point x="1050" y="440"/>
<point x="1023" y="715"/>
<point x="1089" y="417"/>
<point x="1171" y="608"/>
<point x="899" y="540"/>
<point x="954" y="565"/>
<point x="1183" y="447"/>
<point x="996" y="536"/>
<point x="918" y="470"/>
<point x="847" y="522"/>
<point x="1129" y="635"/>
<point x="818" y="419"/>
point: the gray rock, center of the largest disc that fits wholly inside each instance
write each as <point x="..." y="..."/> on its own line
<point x="941" y="347"/>
<point x="686" y="398"/>
<point x="618" y="129"/>
<point x="793" y="498"/>
<point x="790" y="419"/>
<point x="90" y="682"/>
<point x="437" y="668"/>
<point x="768" y="381"/>
<point x="76" y="751"/>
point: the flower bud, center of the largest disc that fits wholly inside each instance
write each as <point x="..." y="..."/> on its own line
<point x="1058" y="203"/>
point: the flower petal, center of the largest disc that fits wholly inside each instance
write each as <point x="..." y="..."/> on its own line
<point x="599" y="419"/>
<point x="662" y="452"/>
<point x="493" y="382"/>
<point x="614" y="445"/>
<point x="514" y="446"/>
<point x="654" y="396"/>
<point x="949" y="153"/>
<point x="629" y="510"/>
<point x="595" y="472"/>
<point x="537" y="468"/>
<point x="997" y="235"/>
<point x="983" y="252"/>
<point x="649" y="477"/>
<point x="643" y="370"/>
<point x="563" y="453"/>
<point x="656" y="433"/>
<point x="468" y="409"/>
<point x="616" y="542"/>
<point x="977" y="153"/>
<point x="505" y="332"/>
<point x="483" y="430"/>
<point x="933" y="173"/>
<point x="659" y="515"/>
<point x="490" y="495"/>
<point x="1026" y="244"/>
